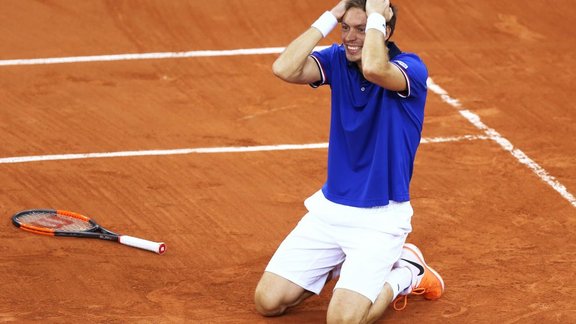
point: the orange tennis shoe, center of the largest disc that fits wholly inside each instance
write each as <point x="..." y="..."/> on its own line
<point x="425" y="280"/>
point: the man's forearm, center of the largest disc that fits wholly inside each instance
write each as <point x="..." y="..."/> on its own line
<point x="290" y="64"/>
<point x="293" y="65"/>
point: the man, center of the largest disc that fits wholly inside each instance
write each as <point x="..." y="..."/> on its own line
<point x="357" y="224"/>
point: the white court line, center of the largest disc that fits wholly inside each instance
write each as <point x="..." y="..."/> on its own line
<point x="503" y="142"/>
<point x="453" y="139"/>
<point x="471" y="117"/>
<point x="141" y="56"/>
<point x="145" y="56"/>
<point x="237" y="149"/>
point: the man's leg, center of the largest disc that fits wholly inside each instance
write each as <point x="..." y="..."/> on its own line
<point x="299" y="268"/>
<point x="275" y="294"/>
<point x="347" y="306"/>
<point x="381" y="304"/>
<point x="411" y="275"/>
<point x="425" y="280"/>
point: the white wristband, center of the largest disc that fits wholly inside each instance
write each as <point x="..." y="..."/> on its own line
<point x="325" y="23"/>
<point x="376" y="21"/>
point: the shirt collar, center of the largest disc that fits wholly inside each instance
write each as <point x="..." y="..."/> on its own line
<point x="393" y="50"/>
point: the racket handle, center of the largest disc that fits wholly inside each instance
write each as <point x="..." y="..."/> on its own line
<point x="157" y="247"/>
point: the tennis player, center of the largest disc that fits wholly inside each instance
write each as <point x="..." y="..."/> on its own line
<point x="357" y="224"/>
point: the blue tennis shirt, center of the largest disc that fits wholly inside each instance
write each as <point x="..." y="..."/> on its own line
<point x="374" y="132"/>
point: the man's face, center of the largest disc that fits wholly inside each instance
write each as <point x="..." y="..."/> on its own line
<point x="353" y="33"/>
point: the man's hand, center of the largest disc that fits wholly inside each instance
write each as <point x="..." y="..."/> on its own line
<point x="339" y="10"/>
<point x="379" y="6"/>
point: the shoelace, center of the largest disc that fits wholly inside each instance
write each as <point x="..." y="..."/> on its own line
<point x="416" y="291"/>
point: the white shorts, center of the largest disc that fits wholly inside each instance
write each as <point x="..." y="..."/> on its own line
<point x="365" y="241"/>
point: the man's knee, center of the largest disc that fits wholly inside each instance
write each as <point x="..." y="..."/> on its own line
<point x="348" y="307"/>
<point x="267" y="303"/>
<point x="345" y="315"/>
<point x="274" y="294"/>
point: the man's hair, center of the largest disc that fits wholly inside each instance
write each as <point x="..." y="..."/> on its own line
<point x="361" y="4"/>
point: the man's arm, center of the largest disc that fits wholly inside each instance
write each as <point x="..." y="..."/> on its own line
<point x="376" y="65"/>
<point x="295" y="64"/>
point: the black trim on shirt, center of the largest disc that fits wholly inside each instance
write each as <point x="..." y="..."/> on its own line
<point x="322" y="78"/>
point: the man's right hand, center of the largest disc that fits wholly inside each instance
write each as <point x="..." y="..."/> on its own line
<point x="379" y="6"/>
<point x="339" y="10"/>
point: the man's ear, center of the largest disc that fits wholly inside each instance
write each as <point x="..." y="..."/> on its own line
<point x="388" y="32"/>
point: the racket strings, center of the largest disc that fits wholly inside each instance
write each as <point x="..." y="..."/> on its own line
<point x="54" y="222"/>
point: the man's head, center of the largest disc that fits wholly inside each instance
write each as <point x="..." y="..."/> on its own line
<point x="354" y="28"/>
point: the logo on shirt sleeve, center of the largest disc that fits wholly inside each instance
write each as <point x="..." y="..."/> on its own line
<point x="402" y="64"/>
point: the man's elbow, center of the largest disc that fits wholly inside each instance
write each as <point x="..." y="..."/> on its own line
<point x="383" y="77"/>
<point x="372" y="72"/>
<point x="280" y="71"/>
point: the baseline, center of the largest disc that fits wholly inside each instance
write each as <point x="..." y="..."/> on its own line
<point x="230" y="149"/>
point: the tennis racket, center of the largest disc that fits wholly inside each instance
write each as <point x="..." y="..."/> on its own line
<point x="65" y="223"/>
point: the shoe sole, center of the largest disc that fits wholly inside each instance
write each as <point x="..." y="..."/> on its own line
<point x="416" y="251"/>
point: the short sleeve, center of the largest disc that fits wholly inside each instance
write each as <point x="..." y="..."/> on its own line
<point x="324" y="59"/>
<point x="415" y="73"/>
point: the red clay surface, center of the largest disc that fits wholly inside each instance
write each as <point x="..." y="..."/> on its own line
<point x="501" y="237"/>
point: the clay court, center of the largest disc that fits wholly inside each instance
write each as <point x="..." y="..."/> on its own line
<point x="192" y="141"/>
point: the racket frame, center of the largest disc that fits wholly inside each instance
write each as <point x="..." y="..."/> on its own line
<point x="94" y="231"/>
